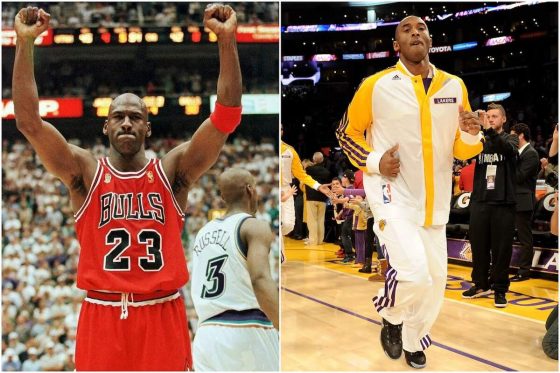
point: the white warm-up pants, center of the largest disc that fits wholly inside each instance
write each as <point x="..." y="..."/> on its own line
<point x="288" y="215"/>
<point x="415" y="281"/>
<point x="287" y="221"/>
<point x="224" y="348"/>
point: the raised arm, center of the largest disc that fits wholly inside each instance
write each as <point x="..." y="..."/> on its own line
<point x="187" y="162"/>
<point x="58" y="157"/>
<point x="258" y="236"/>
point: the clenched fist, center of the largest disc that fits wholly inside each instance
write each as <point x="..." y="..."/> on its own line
<point x="472" y="122"/>
<point x="31" y="22"/>
<point x="390" y="165"/>
<point x="221" y="20"/>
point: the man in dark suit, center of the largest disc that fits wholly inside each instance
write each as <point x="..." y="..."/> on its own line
<point x="316" y="201"/>
<point x="528" y="166"/>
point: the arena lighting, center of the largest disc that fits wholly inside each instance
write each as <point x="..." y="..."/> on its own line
<point x="324" y="57"/>
<point x="374" y="55"/>
<point x="495" y="97"/>
<point x="154" y="103"/>
<point x="255" y="103"/>
<point x="498" y="41"/>
<point x="86" y="37"/>
<point x="331" y="27"/>
<point x="121" y="34"/>
<point x="104" y="34"/>
<point x="373" y="25"/>
<point x="191" y="104"/>
<point x="292" y="58"/>
<point x="529" y="35"/>
<point x="49" y="108"/>
<point x="463" y="46"/>
<point x="314" y="78"/>
<point x="102" y="105"/>
<point x="257" y="34"/>
<point x="176" y="35"/>
<point x="134" y="35"/>
<point x="64" y="39"/>
<point x="353" y="56"/>
<point x="9" y="38"/>
<point x="151" y="37"/>
<point x="441" y="49"/>
<point x="196" y="35"/>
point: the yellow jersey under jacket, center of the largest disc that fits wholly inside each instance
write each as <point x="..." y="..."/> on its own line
<point x="392" y="107"/>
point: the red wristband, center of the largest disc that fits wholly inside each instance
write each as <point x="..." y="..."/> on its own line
<point x="226" y="118"/>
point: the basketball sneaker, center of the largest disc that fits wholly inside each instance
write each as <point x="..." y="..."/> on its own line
<point x="415" y="359"/>
<point x="500" y="300"/>
<point x="391" y="339"/>
<point x="476" y="292"/>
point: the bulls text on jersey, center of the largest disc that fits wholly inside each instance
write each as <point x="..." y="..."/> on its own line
<point x="131" y="206"/>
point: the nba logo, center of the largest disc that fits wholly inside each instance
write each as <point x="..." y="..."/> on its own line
<point x="386" y="188"/>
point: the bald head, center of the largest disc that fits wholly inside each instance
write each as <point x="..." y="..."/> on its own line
<point x="127" y="99"/>
<point x="233" y="185"/>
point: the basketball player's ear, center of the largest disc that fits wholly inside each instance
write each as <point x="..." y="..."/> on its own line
<point x="105" y="127"/>
<point x="250" y="190"/>
<point x="149" y="132"/>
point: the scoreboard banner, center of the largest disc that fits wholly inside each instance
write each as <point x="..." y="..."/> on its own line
<point x="49" y="108"/>
<point x="266" y="33"/>
<point x="55" y="107"/>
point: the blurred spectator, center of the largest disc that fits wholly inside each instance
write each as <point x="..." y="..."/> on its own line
<point x="10" y="362"/>
<point x="111" y="14"/>
<point x="32" y="364"/>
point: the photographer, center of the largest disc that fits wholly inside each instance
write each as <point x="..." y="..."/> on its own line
<point x="492" y="209"/>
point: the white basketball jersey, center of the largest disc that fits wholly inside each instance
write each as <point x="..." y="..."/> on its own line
<point x="220" y="280"/>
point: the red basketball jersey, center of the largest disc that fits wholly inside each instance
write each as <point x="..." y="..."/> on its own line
<point x="129" y="230"/>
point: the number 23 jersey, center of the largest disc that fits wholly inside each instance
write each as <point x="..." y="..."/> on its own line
<point x="129" y="229"/>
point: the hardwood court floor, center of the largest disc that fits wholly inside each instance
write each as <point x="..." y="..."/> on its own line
<point x="328" y="322"/>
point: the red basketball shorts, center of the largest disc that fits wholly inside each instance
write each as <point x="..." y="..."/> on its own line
<point x="153" y="336"/>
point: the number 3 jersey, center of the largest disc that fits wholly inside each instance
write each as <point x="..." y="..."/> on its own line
<point x="129" y="229"/>
<point x="220" y="279"/>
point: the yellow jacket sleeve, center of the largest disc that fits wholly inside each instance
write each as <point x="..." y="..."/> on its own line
<point x="299" y="172"/>
<point x="466" y="145"/>
<point x="353" y="125"/>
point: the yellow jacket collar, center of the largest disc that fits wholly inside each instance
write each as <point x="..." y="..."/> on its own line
<point x="402" y="68"/>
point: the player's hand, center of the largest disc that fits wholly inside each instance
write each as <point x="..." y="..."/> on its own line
<point x="555" y="133"/>
<point x="337" y="189"/>
<point x="221" y="20"/>
<point x="324" y="188"/>
<point x="31" y="22"/>
<point x="472" y="122"/>
<point x="390" y="165"/>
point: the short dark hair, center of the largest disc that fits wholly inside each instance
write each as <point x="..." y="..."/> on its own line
<point x="522" y="128"/>
<point x="349" y="174"/>
<point x="336" y="178"/>
<point x="494" y="106"/>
